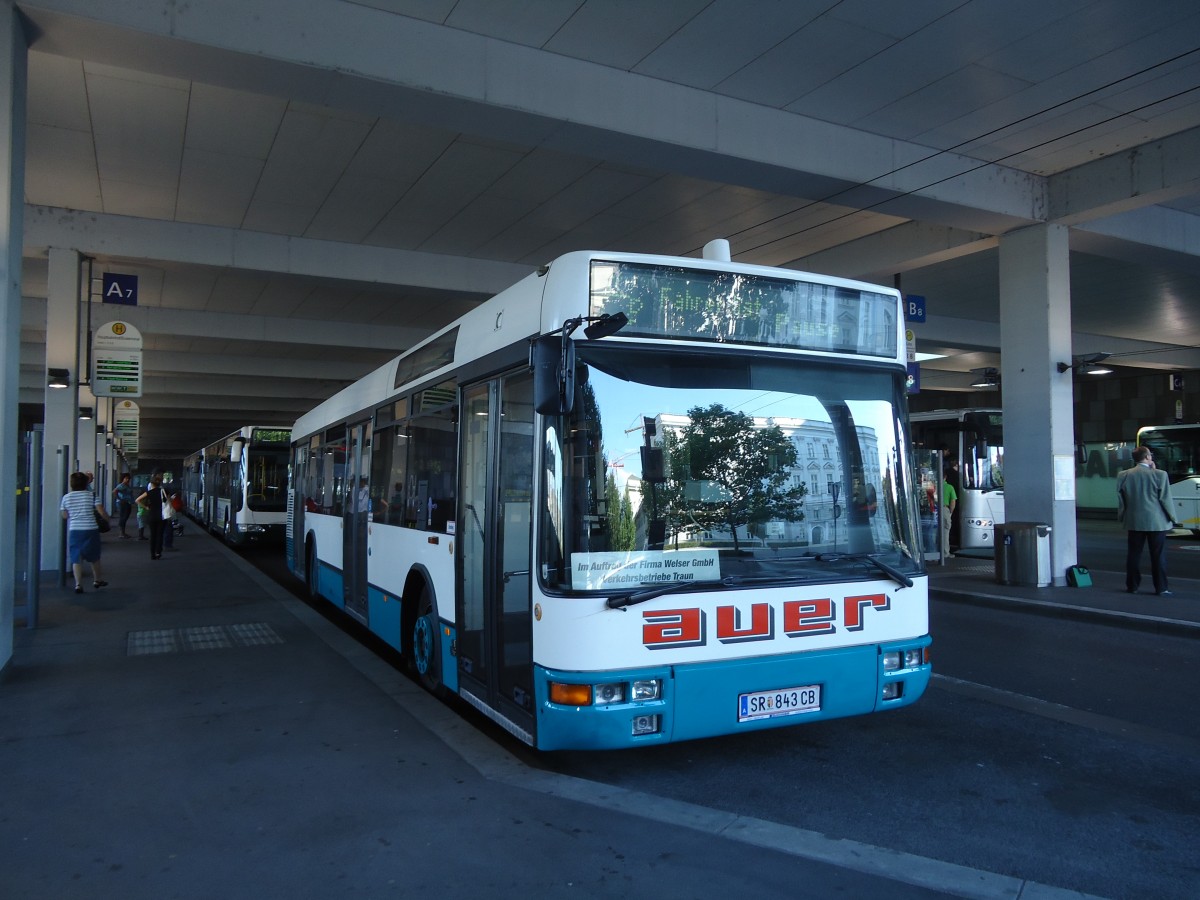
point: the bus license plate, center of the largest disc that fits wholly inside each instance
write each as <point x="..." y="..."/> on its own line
<point x="781" y="702"/>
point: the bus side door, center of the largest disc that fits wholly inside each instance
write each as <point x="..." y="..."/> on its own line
<point x="494" y="540"/>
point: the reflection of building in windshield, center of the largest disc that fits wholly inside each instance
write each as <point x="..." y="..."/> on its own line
<point x="820" y="468"/>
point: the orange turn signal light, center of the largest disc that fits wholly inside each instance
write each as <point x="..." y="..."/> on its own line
<point x="571" y="694"/>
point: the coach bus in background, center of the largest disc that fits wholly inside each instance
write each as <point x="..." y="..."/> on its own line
<point x="1176" y="450"/>
<point x="1097" y="465"/>
<point x="975" y="438"/>
<point x="237" y="487"/>
<point x="632" y="499"/>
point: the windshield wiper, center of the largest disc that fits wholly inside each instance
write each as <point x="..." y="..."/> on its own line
<point x="728" y="581"/>
<point x="891" y="571"/>
<point x="660" y="589"/>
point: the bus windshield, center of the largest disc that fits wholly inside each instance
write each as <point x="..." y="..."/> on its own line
<point x="677" y="467"/>
<point x="1176" y="449"/>
<point x="266" y="480"/>
<point x="982" y="465"/>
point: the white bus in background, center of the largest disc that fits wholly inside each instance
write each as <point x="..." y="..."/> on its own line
<point x="976" y="438"/>
<point x="237" y="486"/>
<point x="505" y="505"/>
<point x="1097" y="465"/>
<point x="1176" y="450"/>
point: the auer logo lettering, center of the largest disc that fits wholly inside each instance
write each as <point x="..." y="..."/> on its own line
<point x="800" y="618"/>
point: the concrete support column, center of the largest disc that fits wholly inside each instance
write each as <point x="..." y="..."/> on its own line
<point x="62" y="406"/>
<point x="103" y="456"/>
<point x="12" y="209"/>
<point x="86" y="430"/>
<point x="1039" y="431"/>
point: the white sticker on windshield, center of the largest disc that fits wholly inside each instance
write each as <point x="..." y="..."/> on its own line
<point x="612" y="571"/>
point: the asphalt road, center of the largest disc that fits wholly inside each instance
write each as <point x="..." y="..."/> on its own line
<point x="1022" y="759"/>
<point x="1102" y="547"/>
<point x="1050" y="750"/>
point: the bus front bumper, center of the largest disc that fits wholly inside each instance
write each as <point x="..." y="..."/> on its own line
<point x="709" y="699"/>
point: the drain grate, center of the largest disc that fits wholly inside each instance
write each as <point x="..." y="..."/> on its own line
<point x="202" y="637"/>
<point x="986" y="568"/>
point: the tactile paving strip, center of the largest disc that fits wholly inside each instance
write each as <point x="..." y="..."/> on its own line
<point x="203" y="637"/>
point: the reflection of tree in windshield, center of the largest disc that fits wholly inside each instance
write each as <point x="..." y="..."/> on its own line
<point x="621" y="526"/>
<point x="741" y="460"/>
<point x="727" y="471"/>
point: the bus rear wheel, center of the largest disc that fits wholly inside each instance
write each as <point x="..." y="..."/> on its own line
<point x="425" y="655"/>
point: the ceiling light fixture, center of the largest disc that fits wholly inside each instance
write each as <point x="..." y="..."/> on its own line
<point x="1090" y="364"/>
<point x="58" y="378"/>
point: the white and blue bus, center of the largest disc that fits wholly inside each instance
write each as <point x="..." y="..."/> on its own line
<point x="237" y="487"/>
<point x="975" y="438"/>
<point x="633" y="499"/>
<point x="1176" y="450"/>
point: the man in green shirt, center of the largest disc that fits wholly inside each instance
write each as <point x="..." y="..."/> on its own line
<point x="949" y="501"/>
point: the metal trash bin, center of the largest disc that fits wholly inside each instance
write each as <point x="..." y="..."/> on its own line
<point x="1023" y="553"/>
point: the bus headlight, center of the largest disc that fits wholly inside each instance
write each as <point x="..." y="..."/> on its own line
<point x="606" y="694"/>
<point x="645" y="690"/>
<point x="645" y="725"/>
<point x="894" y="660"/>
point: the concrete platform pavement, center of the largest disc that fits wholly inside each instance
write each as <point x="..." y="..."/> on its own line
<point x="195" y="731"/>
<point x="972" y="579"/>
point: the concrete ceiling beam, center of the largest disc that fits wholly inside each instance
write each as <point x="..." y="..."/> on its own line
<point x="1156" y="172"/>
<point x="880" y="256"/>
<point x="209" y="245"/>
<point x="372" y="61"/>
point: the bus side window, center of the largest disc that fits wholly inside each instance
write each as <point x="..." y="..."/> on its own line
<point x="397" y="477"/>
<point x="381" y="463"/>
<point x="308" y="473"/>
<point x="333" y="471"/>
<point x="433" y="450"/>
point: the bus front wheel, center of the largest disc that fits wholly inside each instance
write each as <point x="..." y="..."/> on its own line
<point x="426" y="647"/>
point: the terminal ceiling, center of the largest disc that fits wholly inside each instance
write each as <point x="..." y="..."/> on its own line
<point x="305" y="189"/>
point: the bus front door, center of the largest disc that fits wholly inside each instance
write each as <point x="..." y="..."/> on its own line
<point x="494" y="537"/>
<point x="356" y="518"/>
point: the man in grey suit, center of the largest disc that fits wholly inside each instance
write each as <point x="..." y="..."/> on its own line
<point x="1144" y="508"/>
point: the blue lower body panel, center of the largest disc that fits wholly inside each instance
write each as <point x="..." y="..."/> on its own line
<point x="383" y="616"/>
<point x="329" y="584"/>
<point x="702" y="700"/>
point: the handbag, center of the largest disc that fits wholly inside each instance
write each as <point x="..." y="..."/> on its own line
<point x="102" y="522"/>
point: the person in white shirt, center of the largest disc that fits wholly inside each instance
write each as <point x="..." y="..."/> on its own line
<point x="80" y="508"/>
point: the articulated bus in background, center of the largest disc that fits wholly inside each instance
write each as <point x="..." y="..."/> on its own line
<point x="693" y="516"/>
<point x="1176" y="450"/>
<point x="237" y="486"/>
<point x="976" y="438"/>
